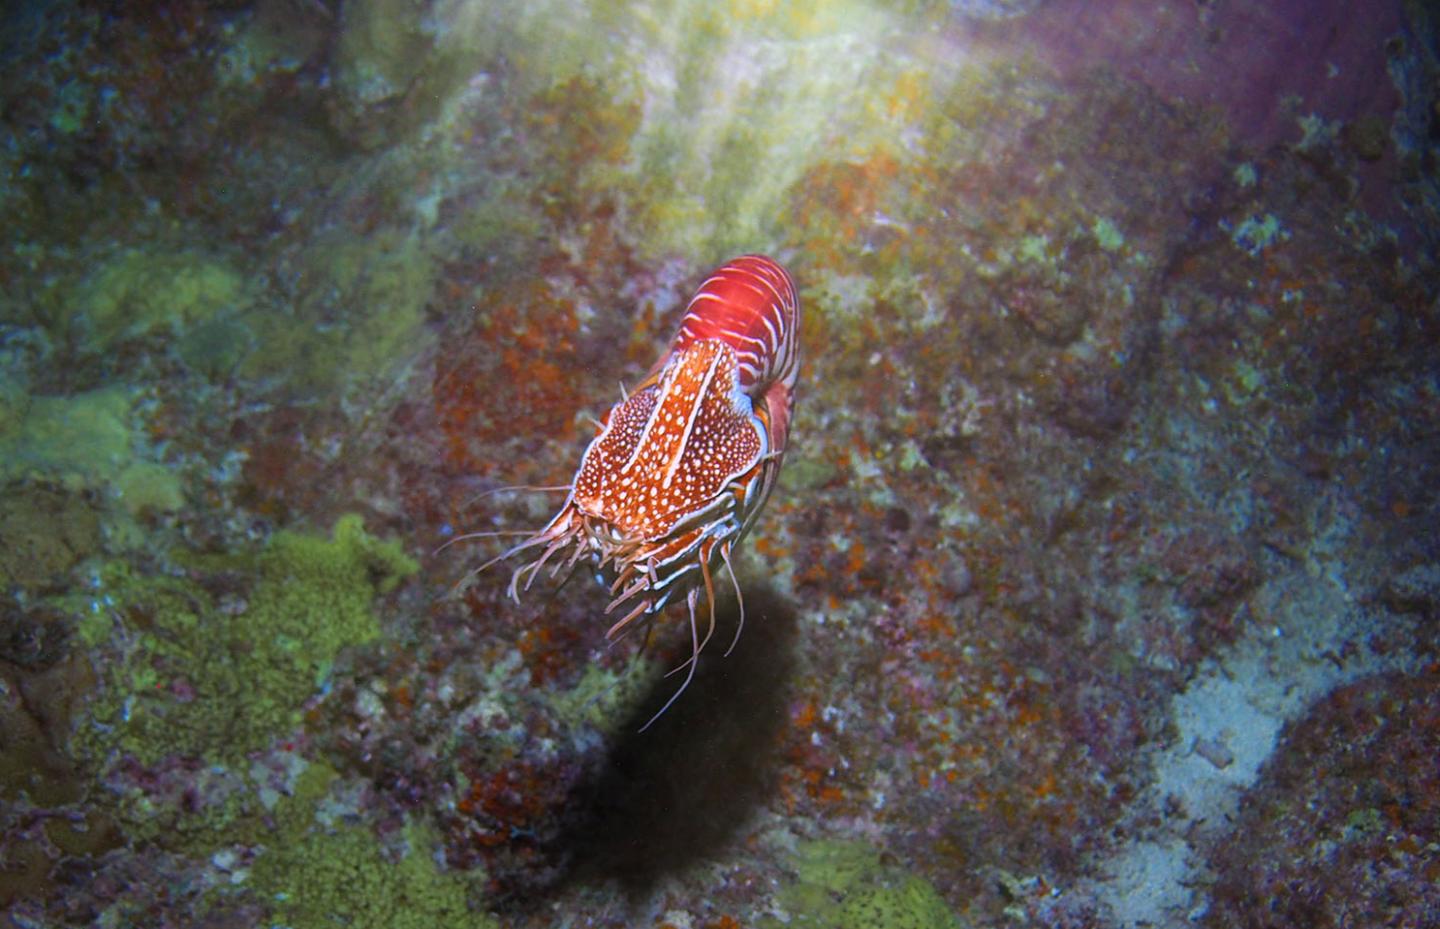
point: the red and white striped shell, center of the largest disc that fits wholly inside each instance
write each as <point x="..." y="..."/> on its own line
<point x="681" y="467"/>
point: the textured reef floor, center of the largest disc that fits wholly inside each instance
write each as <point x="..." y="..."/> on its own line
<point x="1100" y="588"/>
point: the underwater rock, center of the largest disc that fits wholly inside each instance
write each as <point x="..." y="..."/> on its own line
<point x="1368" y="137"/>
<point x="141" y="291"/>
<point x="43" y="685"/>
<point x="44" y="531"/>
<point x="1414" y="590"/>
<point x="1342" y="827"/>
<point x="80" y="440"/>
<point x="382" y="49"/>
<point x="35" y="639"/>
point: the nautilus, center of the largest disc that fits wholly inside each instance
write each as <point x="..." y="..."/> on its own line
<point x="680" y="468"/>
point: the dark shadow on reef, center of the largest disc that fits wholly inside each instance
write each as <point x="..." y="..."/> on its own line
<point x="682" y="789"/>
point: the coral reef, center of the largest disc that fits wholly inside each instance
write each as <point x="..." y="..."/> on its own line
<point x="1099" y="588"/>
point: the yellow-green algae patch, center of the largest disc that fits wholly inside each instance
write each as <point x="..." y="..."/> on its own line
<point x="848" y="885"/>
<point x="86" y="441"/>
<point x="381" y="50"/>
<point x="316" y="875"/>
<point x="215" y="677"/>
<point x="140" y="291"/>
<point x="146" y="486"/>
<point x="344" y="878"/>
<point x="605" y="699"/>
<point x="82" y="440"/>
<point x="359" y="317"/>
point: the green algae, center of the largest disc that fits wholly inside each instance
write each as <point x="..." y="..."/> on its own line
<point x="905" y="903"/>
<point x="315" y="870"/>
<point x="359" y="310"/>
<point x="848" y="885"/>
<point x="148" y="487"/>
<point x="381" y="50"/>
<point x="1246" y="382"/>
<point x="315" y="867"/>
<point x="1257" y="233"/>
<point x="139" y="292"/>
<point x="344" y="878"/>
<point x="216" y="677"/>
<point x="378" y="286"/>
<point x="809" y="473"/>
<point x="1107" y="235"/>
<point x="216" y="663"/>
<point x="279" y="37"/>
<point x="216" y="347"/>
<point x="81" y="441"/>
<point x="604" y="699"/>
<point x="1034" y="249"/>
<point x="88" y="442"/>
<point x="319" y="877"/>
<point x="72" y="108"/>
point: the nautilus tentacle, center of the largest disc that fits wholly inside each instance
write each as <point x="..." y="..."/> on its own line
<point x="680" y="468"/>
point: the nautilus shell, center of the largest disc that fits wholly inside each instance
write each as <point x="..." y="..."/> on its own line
<point x="682" y="465"/>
